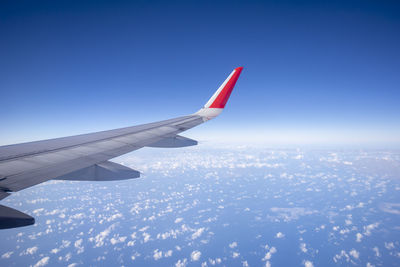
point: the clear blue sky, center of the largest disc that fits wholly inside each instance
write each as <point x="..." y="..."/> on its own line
<point x="315" y="71"/>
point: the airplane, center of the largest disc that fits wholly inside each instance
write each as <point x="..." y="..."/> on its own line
<point x="86" y="157"/>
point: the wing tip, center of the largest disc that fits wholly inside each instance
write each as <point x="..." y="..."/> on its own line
<point x="223" y="93"/>
<point x="217" y="102"/>
<point x="239" y="68"/>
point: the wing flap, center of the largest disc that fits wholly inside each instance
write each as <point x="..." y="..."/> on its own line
<point x="173" y="142"/>
<point x="105" y="171"/>
<point x="11" y="218"/>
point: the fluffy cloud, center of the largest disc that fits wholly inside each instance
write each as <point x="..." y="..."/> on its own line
<point x="359" y="237"/>
<point x="279" y="235"/>
<point x="303" y="247"/>
<point x="389" y="245"/>
<point x="178" y="220"/>
<point x="268" y="255"/>
<point x="288" y="214"/>
<point x="308" y="264"/>
<point x="146" y="237"/>
<point x="30" y="251"/>
<point x="342" y="254"/>
<point x="7" y="255"/>
<point x="195" y="256"/>
<point x="44" y="261"/>
<point x="99" y="239"/>
<point x="198" y="233"/>
<point x="369" y="228"/>
<point x="117" y="239"/>
<point x="78" y="246"/>
<point x="168" y="253"/>
<point x="181" y="263"/>
<point x="233" y="245"/>
<point x="114" y="217"/>
<point x="354" y="253"/>
<point x="157" y="254"/>
<point x="377" y="253"/>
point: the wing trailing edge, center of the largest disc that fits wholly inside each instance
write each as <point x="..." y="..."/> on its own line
<point x="11" y="218"/>
<point x="105" y="171"/>
<point x="174" y="142"/>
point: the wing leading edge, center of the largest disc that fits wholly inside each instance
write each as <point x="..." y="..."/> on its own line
<point x="85" y="157"/>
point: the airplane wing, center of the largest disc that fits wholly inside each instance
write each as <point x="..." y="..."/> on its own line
<point x="86" y="157"/>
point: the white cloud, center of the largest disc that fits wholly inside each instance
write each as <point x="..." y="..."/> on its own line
<point x="38" y="211"/>
<point x="195" y="256"/>
<point x="235" y="255"/>
<point x="342" y="254"/>
<point x="68" y="256"/>
<point x="144" y="228"/>
<point x="7" y="255"/>
<point x="268" y="255"/>
<point x="359" y="237"/>
<point x="279" y="235"/>
<point x="303" y="247"/>
<point x="65" y="243"/>
<point x="78" y="246"/>
<point x="44" y="261"/>
<point x="99" y="239"/>
<point x="198" y="233"/>
<point x="245" y="264"/>
<point x="178" y="220"/>
<point x="181" y="263"/>
<point x="389" y="245"/>
<point x="233" y="245"/>
<point x="135" y="255"/>
<point x="30" y="251"/>
<point x="117" y="239"/>
<point x="369" y="228"/>
<point x="168" y="253"/>
<point x="114" y="217"/>
<point x="157" y="254"/>
<point x="377" y="253"/>
<point x="212" y="261"/>
<point x="354" y="253"/>
<point x="288" y="214"/>
<point x="308" y="264"/>
<point x="393" y="208"/>
<point x="146" y="237"/>
<point x="133" y="235"/>
<point x="299" y="156"/>
<point x="77" y="216"/>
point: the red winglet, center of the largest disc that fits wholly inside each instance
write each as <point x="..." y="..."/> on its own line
<point x="223" y="96"/>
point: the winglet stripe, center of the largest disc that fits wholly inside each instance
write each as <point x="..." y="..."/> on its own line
<point x="219" y="99"/>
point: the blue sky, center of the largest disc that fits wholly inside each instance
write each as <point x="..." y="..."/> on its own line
<point x="315" y="71"/>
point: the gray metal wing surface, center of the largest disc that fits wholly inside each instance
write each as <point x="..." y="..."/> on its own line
<point x="28" y="164"/>
<point x="86" y="157"/>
